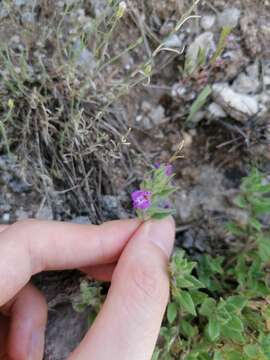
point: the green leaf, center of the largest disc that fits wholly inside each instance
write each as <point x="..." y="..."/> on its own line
<point x="189" y="282"/>
<point x="260" y="206"/>
<point x="221" y="43"/>
<point x="199" y="103"/>
<point x="235" y="324"/>
<point x="264" y="247"/>
<point x="252" y="351"/>
<point x="187" y="329"/>
<point x="218" y="355"/>
<point x="213" y="329"/>
<point x="171" y="312"/>
<point x="236" y="303"/>
<point x="165" y="193"/>
<point x="198" y="297"/>
<point x="186" y="302"/>
<point x="241" y="202"/>
<point x="255" y="224"/>
<point x="208" y="307"/>
<point x="235" y="229"/>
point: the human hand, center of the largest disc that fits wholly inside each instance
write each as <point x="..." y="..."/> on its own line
<point x="134" y="256"/>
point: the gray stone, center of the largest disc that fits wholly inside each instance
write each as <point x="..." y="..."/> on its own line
<point x="21" y="214"/>
<point x="174" y="41"/>
<point x="28" y="17"/>
<point x="208" y="21"/>
<point x="81" y="220"/>
<point x="239" y="106"/>
<point x="86" y="60"/>
<point x="245" y="84"/>
<point x="6" y="218"/>
<point x="216" y="111"/>
<point x="157" y="115"/>
<point x="44" y="213"/>
<point x="229" y="17"/>
<point x="21" y="2"/>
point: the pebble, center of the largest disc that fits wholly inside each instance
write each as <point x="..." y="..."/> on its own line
<point x="45" y="213"/>
<point x="157" y="115"/>
<point x="245" y="84"/>
<point x="174" y="41"/>
<point x="208" y="21"/>
<point x="239" y="106"/>
<point x="6" y="218"/>
<point x="229" y="17"/>
<point x="216" y="111"/>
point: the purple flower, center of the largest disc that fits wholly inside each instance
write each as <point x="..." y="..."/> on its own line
<point x="167" y="205"/>
<point x="141" y="199"/>
<point x="168" y="168"/>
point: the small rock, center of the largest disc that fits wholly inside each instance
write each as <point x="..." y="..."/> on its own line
<point x="86" y="59"/>
<point x="174" y="41"/>
<point x="239" y="106"/>
<point x="178" y="90"/>
<point x="21" y="2"/>
<point x="229" y="17"/>
<point x="203" y="42"/>
<point x="112" y="207"/>
<point x="208" y="22"/>
<point x="146" y="107"/>
<point x="216" y="111"/>
<point x="3" y="13"/>
<point x="245" y="84"/>
<point x="253" y="70"/>
<point x="45" y="213"/>
<point x="6" y="218"/>
<point x="21" y="214"/>
<point x="28" y="17"/>
<point x="157" y="115"/>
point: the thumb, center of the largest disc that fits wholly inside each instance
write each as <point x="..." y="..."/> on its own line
<point x="129" y="322"/>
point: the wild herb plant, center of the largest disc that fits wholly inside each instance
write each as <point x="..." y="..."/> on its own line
<point x="220" y="307"/>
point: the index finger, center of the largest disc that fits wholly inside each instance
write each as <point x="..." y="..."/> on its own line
<point x="31" y="246"/>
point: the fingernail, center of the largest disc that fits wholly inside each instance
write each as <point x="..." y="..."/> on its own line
<point x="37" y="345"/>
<point x="161" y="233"/>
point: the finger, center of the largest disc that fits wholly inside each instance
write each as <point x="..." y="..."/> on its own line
<point x="100" y="272"/>
<point x="3" y="227"/>
<point x="28" y="312"/>
<point x="32" y="246"/>
<point x="129" y="322"/>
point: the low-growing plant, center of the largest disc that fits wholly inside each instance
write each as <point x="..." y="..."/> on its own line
<point x="220" y="307"/>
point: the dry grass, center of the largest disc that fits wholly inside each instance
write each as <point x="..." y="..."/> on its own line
<point x="62" y="76"/>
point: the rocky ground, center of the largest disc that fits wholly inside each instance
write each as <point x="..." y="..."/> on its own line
<point x="226" y="136"/>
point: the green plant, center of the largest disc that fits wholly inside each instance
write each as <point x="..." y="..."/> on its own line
<point x="220" y="308"/>
<point x="90" y="297"/>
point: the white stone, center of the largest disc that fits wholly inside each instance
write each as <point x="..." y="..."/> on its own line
<point x="229" y="17"/>
<point x="216" y="111"/>
<point x="208" y="22"/>
<point x="239" y="106"/>
<point x="245" y="84"/>
<point x="173" y="41"/>
<point x="6" y="217"/>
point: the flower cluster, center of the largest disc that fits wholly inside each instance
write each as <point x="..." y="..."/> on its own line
<point x="151" y="201"/>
